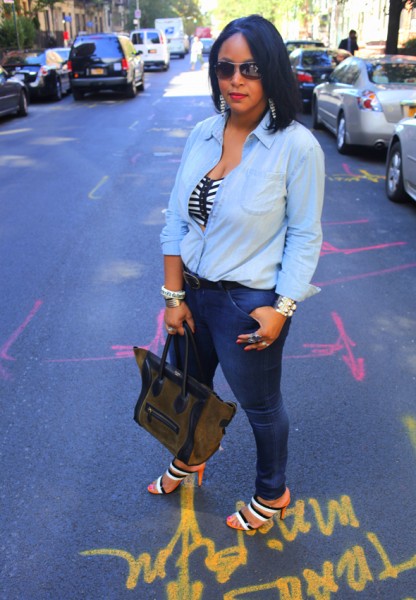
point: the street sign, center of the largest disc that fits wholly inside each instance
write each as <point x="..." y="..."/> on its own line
<point x="137" y="13"/>
<point x="8" y="1"/>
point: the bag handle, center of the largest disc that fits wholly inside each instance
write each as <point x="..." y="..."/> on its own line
<point x="189" y="341"/>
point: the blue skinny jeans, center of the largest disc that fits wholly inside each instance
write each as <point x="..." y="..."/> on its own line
<point x="254" y="377"/>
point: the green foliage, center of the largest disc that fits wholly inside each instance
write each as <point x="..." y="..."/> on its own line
<point x="276" y="12"/>
<point x="411" y="43"/>
<point x="26" y="30"/>
<point x="159" y="9"/>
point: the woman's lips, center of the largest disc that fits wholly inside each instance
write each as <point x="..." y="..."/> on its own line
<point x="235" y="96"/>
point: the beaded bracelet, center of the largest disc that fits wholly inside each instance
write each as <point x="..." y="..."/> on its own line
<point x="169" y="294"/>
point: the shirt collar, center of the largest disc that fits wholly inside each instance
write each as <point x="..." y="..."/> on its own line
<point x="263" y="135"/>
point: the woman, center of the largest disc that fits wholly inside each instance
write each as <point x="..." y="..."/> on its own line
<point x="242" y="241"/>
<point x="196" y="53"/>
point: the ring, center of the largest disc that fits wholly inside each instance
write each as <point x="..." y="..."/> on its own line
<point x="171" y="329"/>
<point x="264" y="344"/>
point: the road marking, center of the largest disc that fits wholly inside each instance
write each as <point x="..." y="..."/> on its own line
<point x="133" y="125"/>
<point x="91" y="195"/>
<point x="13" y="131"/>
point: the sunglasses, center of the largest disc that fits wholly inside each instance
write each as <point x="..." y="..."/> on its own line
<point x="226" y="70"/>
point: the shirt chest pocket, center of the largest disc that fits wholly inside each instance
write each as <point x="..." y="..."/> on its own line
<point x="262" y="192"/>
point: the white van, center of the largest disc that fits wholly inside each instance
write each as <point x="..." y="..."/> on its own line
<point x="154" y="47"/>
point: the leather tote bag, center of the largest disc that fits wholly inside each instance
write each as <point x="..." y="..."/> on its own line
<point x="185" y="415"/>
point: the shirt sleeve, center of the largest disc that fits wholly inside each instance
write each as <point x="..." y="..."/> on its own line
<point x="176" y="228"/>
<point x="305" y="193"/>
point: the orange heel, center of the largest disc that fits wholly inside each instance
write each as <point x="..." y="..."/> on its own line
<point x="176" y="474"/>
<point x="260" y="511"/>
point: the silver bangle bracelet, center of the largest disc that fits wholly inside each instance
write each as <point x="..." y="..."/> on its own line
<point x="169" y="294"/>
<point x="173" y="302"/>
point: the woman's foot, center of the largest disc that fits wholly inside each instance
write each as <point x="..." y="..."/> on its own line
<point x="176" y="473"/>
<point x="255" y="514"/>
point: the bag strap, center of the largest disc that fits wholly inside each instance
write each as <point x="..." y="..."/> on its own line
<point x="189" y="341"/>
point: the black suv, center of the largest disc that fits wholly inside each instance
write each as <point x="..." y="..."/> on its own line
<point x="105" y="61"/>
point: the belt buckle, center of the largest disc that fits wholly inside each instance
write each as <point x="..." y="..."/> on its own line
<point x="192" y="280"/>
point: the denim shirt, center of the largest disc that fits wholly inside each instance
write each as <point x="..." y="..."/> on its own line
<point x="264" y="229"/>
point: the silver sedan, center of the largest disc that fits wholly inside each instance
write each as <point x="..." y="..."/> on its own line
<point x="363" y="99"/>
<point x="401" y="162"/>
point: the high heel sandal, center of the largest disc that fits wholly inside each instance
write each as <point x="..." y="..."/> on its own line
<point x="260" y="511"/>
<point x="177" y="474"/>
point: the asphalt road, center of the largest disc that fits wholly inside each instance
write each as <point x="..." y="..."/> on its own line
<point x="83" y="189"/>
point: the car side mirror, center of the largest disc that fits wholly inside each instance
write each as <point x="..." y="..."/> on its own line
<point x="139" y="52"/>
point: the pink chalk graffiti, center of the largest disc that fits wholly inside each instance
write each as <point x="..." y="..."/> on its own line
<point x="124" y="351"/>
<point x="365" y="275"/>
<point x="343" y="344"/>
<point x="328" y="248"/>
<point x="4" y="350"/>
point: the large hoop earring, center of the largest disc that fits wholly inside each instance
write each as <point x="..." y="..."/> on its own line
<point x="272" y="107"/>
<point x="222" y="104"/>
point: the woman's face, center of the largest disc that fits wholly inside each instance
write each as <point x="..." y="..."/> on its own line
<point x="245" y="97"/>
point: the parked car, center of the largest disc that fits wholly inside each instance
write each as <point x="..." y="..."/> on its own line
<point x="63" y="52"/>
<point x="293" y="44"/>
<point x="154" y="46"/>
<point x="105" y="61"/>
<point x="308" y="66"/>
<point x="43" y="72"/>
<point x="207" y="44"/>
<point x="364" y="98"/>
<point x="401" y="161"/>
<point x="13" y="96"/>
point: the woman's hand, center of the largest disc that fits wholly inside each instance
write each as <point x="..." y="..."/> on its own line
<point x="271" y="323"/>
<point x="175" y="317"/>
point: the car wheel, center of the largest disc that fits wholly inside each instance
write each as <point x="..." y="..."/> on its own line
<point x="316" y="123"/>
<point x="58" y="91"/>
<point x="131" y="90"/>
<point x="140" y="87"/>
<point x="394" y="175"/>
<point x="342" y="145"/>
<point x="23" y="105"/>
<point x="77" y="95"/>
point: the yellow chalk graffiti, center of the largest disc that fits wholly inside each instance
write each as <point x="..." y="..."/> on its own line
<point x="343" y="511"/>
<point x="354" y="564"/>
<point x="362" y="175"/>
<point x="222" y="563"/>
<point x="390" y="570"/>
<point x="410" y="423"/>
<point x="352" y="569"/>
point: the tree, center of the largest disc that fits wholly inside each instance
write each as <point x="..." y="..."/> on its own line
<point x="160" y="9"/>
<point x="395" y="11"/>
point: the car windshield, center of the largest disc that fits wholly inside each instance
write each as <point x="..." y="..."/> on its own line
<point x="102" y="47"/>
<point x="320" y="58"/>
<point x="392" y="73"/>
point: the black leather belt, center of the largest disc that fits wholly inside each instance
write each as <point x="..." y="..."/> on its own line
<point x="195" y="283"/>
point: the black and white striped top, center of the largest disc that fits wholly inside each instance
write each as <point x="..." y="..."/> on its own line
<point x="202" y="199"/>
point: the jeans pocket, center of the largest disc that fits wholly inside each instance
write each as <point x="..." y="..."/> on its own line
<point x="246" y="300"/>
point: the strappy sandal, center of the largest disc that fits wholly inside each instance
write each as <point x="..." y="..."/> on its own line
<point x="260" y="511"/>
<point x="176" y="474"/>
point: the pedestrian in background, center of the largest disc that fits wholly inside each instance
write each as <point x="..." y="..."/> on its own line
<point x="196" y="53"/>
<point x="241" y="243"/>
<point x="349" y="43"/>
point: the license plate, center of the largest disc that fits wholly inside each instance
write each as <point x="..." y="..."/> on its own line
<point x="153" y="51"/>
<point x="97" y="71"/>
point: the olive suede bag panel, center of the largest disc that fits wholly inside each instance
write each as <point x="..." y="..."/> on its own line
<point x="186" y="416"/>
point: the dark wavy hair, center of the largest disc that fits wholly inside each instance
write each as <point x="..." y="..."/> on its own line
<point x="269" y="52"/>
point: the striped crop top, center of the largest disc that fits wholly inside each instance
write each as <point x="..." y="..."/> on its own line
<point x="202" y="199"/>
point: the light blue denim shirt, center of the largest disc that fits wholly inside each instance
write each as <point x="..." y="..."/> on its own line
<point x="264" y="229"/>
